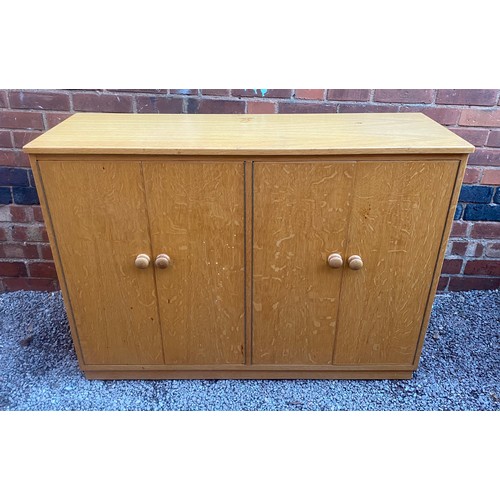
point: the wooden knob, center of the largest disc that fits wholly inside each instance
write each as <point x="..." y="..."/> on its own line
<point x="355" y="262"/>
<point x="162" y="261"/>
<point x="142" y="261"/>
<point x="335" y="260"/>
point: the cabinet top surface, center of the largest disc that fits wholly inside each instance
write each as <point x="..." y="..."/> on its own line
<point x="286" y="134"/>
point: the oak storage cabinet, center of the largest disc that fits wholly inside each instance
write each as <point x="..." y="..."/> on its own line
<point x="248" y="246"/>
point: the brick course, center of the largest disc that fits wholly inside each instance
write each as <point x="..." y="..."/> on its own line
<point x="104" y="103"/>
<point x="316" y="94"/>
<point x="159" y="104"/>
<point x="348" y="95"/>
<point x="56" y="101"/>
<point x="261" y="107"/>
<point x="473" y="255"/>
<point x="480" y="97"/>
<point x="404" y="95"/>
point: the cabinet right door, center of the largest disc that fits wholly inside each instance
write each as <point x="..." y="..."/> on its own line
<point x="398" y="215"/>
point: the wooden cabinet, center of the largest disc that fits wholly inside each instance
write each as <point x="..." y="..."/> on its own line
<point x="287" y="246"/>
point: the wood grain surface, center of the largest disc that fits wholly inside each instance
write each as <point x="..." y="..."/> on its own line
<point x="57" y="258"/>
<point x="98" y="212"/>
<point x="274" y="134"/>
<point x="196" y="215"/>
<point x="442" y="251"/>
<point x="301" y="213"/>
<point x="399" y="212"/>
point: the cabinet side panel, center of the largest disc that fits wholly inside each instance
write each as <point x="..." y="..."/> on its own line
<point x="300" y="216"/>
<point x="442" y="250"/>
<point x="196" y="213"/>
<point x="57" y="258"/>
<point x="399" y="214"/>
<point x="99" y="218"/>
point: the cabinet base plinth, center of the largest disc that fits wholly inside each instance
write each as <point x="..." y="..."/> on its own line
<point x="244" y="375"/>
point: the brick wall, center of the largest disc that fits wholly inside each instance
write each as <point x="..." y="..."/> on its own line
<point x="473" y="255"/>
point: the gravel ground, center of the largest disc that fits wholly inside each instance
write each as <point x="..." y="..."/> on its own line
<point x="459" y="369"/>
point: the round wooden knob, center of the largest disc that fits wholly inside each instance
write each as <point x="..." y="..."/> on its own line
<point x="162" y="261"/>
<point x="355" y="262"/>
<point x="142" y="261"/>
<point x="335" y="260"/>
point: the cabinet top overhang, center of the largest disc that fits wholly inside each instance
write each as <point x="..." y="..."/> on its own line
<point x="279" y="134"/>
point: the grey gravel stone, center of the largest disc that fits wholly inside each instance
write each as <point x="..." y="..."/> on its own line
<point x="459" y="369"/>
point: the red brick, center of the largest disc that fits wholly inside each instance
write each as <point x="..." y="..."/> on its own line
<point x="260" y="107"/>
<point x="37" y="214"/>
<point x="13" y="158"/>
<point x="278" y="93"/>
<point x="18" y="251"/>
<point x="54" y="119"/>
<point x="215" y="106"/>
<point x="475" y="136"/>
<point x="34" y="284"/>
<point x="271" y="93"/>
<point x="159" y="104"/>
<point x="481" y="97"/>
<point x="486" y="267"/>
<point x="492" y="250"/>
<point x="314" y="94"/>
<point x="443" y="282"/>
<point x="42" y="270"/>
<point x="404" y="95"/>
<point x="13" y="269"/>
<point x="184" y="91"/>
<point x="21" y="213"/>
<point x="216" y="92"/>
<point x="348" y="94"/>
<point x="458" y="248"/>
<point x="368" y="107"/>
<point x="5" y="215"/>
<point x="5" y="139"/>
<point x="3" y="99"/>
<point x="494" y="139"/>
<point x="108" y="103"/>
<point x="458" y="284"/>
<point x="21" y="119"/>
<point x="480" y="117"/>
<point x="22" y="137"/>
<point x="5" y="232"/>
<point x="472" y="175"/>
<point x="22" y="99"/>
<point x="8" y="158"/>
<point x="486" y="230"/>
<point x="485" y="156"/>
<point x="139" y="91"/>
<point x="475" y="249"/>
<point x="306" y="107"/>
<point x="45" y="251"/>
<point x="444" y="116"/>
<point x="29" y="233"/>
<point x="22" y="159"/>
<point x="459" y="229"/>
<point x="491" y="176"/>
<point x="452" y="266"/>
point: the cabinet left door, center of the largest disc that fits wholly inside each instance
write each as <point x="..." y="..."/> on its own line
<point x="100" y="223"/>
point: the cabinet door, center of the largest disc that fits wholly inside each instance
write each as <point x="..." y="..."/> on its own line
<point x="98" y="212"/>
<point x="301" y="211"/>
<point x="196" y="214"/>
<point x="399" y="211"/>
